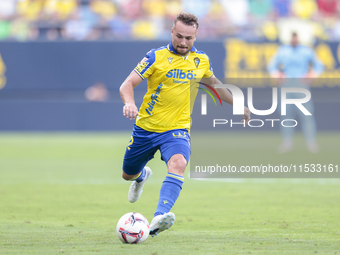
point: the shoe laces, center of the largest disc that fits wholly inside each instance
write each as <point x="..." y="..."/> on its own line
<point x="136" y="185"/>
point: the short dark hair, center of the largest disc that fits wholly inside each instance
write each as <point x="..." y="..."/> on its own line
<point x="187" y="19"/>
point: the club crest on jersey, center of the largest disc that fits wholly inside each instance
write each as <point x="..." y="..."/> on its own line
<point x="170" y="60"/>
<point x="197" y="62"/>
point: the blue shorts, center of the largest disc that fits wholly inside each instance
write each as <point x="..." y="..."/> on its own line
<point x="144" y="144"/>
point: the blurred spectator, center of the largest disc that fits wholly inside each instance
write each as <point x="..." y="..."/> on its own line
<point x="120" y="27"/>
<point x="50" y="9"/>
<point x="154" y="7"/>
<point x="76" y="28"/>
<point x="328" y="7"/>
<point x="130" y="8"/>
<point x="151" y="19"/>
<point x="260" y="8"/>
<point x="236" y="11"/>
<point x="7" y="9"/>
<point x="30" y="9"/>
<point x="296" y="64"/>
<point x="216" y="15"/>
<point x="172" y="8"/>
<point x="270" y="31"/>
<point x="144" y="29"/>
<point x="20" y="30"/>
<point x="5" y="29"/>
<point x="305" y="29"/>
<point x="64" y="8"/>
<point x="282" y="7"/>
<point x="97" y="93"/>
<point x="304" y="9"/>
<point x="336" y="31"/>
<point x="52" y="34"/>
<point x="103" y="8"/>
<point x="92" y="17"/>
<point x="198" y="7"/>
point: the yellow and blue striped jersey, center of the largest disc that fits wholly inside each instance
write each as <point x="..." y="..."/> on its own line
<point x="171" y="87"/>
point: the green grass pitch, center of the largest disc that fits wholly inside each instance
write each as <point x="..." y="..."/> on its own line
<point x="63" y="194"/>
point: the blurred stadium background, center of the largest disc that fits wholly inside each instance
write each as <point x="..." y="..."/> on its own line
<point x="62" y="61"/>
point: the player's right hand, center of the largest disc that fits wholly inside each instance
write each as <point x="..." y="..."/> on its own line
<point x="130" y="111"/>
<point x="277" y="75"/>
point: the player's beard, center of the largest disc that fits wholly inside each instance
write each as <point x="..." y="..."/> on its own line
<point x="180" y="50"/>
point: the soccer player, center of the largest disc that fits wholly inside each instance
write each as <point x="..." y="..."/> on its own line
<point x="294" y="61"/>
<point x="163" y="120"/>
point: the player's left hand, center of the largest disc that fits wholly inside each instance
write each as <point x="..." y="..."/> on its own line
<point x="246" y="116"/>
<point x="130" y="111"/>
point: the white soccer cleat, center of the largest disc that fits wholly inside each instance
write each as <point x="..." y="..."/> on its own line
<point x="136" y="188"/>
<point x="161" y="223"/>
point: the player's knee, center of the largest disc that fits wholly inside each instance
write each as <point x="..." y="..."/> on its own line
<point x="180" y="170"/>
<point x="177" y="164"/>
<point x="126" y="177"/>
<point x="181" y="165"/>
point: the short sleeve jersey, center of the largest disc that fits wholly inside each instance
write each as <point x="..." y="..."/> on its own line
<point x="172" y="85"/>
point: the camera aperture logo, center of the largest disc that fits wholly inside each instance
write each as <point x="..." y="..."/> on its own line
<point x="204" y="97"/>
<point x="238" y="105"/>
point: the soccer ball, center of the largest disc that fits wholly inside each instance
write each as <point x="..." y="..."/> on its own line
<point x="133" y="228"/>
